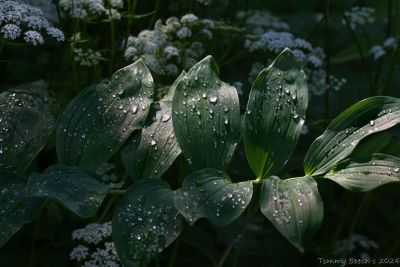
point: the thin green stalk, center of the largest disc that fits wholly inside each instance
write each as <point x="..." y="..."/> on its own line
<point x="391" y="69"/>
<point x="355" y="220"/>
<point x="131" y="14"/>
<point x="112" y="46"/>
<point x="118" y="191"/>
<point x="328" y="60"/>
<point x="32" y="255"/>
<point x="250" y="211"/>
<point x="388" y="31"/>
<point x="175" y="250"/>
<point x="2" y="45"/>
<point x="348" y="201"/>
<point x="360" y="51"/>
<point x="153" y="18"/>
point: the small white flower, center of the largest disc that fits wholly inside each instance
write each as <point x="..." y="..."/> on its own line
<point x="377" y="52"/>
<point x="390" y="43"/>
<point x="33" y="38"/>
<point x="130" y="53"/>
<point x="189" y="19"/>
<point x="205" y="2"/>
<point x="11" y="31"/>
<point x="79" y="253"/>
<point x="184" y="33"/>
<point x="117" y="4"/>
<point x="55" y="33"/>
<point x="171" y="51"/>
<point x="359" y="16"/>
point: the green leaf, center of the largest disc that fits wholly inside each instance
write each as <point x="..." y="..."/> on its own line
<point x="210" y="194"/>
<point x="150" y="152"/>
<point x="206" y="116"/>
<point x="275" y="114"/>
<point x="145" y="222"/>
<point x="75" y="188"/>
<point x="99" y="120"/>
<point x="365" y="173"/>
<point x="362" y="119"/>
<point x="15" y="208"/>
<point x="26" y="124"/>
<point x="294" y="207"/>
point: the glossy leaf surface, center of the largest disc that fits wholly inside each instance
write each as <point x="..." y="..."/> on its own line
<point x="210" y="194"/>
<point x="99" y="120"/>
<point x="275" y="114"/>
<point x="294" y="207"/>
<point x="364" y="118"/>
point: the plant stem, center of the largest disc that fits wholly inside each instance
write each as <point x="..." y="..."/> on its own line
<point x="360" y="51"/>
<point x="175" y="252"/>
<point x="131" y="13"/>
<point x="32" y="255"/>
<point x="328" y="60"/>
<point x="355" y="220"/>
<point x="2" y="45"/>
<point x="391" y="69"/>
<point x="118" y="191"/>
<point x="153" y="17"/>
<point x="112" y="46"/>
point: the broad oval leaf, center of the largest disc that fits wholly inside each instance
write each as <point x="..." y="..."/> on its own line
<point x="145" y="222"/>
<point x="73" y="187"/>
<point x="150" y="152"/>
<point x="99" y="120"/>
<point x="275" y="114"/>
<point x="365" y="173"/>
<point x="294" y="207"/>
<point x="206" y="116"/>
<point x="210" y="194"/>
<point x="16" y="209"/>
<point x="342" y="135"/>
<point x="26" y="124"/>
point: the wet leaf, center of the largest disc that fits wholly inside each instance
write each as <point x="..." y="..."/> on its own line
<point x="145" y="222"/>
<point x="73" y="187"/>
<point x="25" y="125"/>
<point x="98" y="121"/>
<point x="364" y="173"/>
<point x="294" y="207"/>
<point x="16" y="209"/>
<point x="342" y="135"/>
<point x="210" y="194"/>
<point x="206" y="116"/>
<point x="275" y="114"/>
<point x="150" y="152"/>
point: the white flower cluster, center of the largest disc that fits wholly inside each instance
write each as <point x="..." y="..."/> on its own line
<point x="82" y="9"/>
<point x="23" y="21"/>
<point x="93" y="233"/>
<point x="378" y="51"/>
<point x="170" y="47"/>
<point x="275" y="42"/>
<point x="361" y="243"/>
<point x="205" y="2"/>
<point x="359" y="16"/>
<point x="48" y="8"/>
<point x="317" y="82"/>
<point x="103" y="254"/>
<point x="259" y="21"/>
<point x="87" y="57"/>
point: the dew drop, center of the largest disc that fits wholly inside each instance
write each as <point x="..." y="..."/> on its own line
<point x="134" y="109"/>
<point x="213" y="99"/>
<point x="165" y="117"/>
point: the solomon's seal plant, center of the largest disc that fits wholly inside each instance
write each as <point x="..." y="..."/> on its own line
<point x="200" y="120"/>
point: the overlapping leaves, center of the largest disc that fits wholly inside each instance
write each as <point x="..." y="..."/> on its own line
<point x="99" y="120"/>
